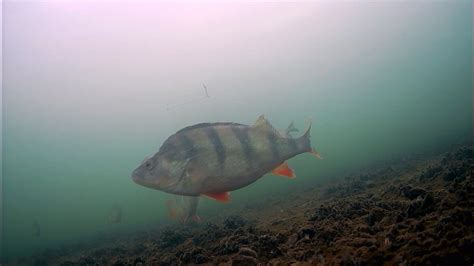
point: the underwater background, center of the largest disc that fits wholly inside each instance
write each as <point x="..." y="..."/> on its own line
<point x="91" y="88"/>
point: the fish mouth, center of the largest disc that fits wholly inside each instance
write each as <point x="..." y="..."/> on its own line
<point x="136" y="179"/>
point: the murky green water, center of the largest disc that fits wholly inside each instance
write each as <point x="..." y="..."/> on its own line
<point x="90" y="89"/>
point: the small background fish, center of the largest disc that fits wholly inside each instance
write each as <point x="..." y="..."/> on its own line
<point x="115" y="214"/>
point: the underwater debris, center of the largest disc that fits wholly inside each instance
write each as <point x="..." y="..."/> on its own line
<point x="205" y="91"/>
<point x="192" y="101"/>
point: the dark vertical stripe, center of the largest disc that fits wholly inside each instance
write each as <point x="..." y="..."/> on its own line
<point x="242" y="135"/>
<point x="187" y="145"/>
<point x="217" y="143"/>
<point x="272" y="141"/>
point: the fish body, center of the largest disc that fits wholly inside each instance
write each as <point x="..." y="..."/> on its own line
<point x="215" y="158"/>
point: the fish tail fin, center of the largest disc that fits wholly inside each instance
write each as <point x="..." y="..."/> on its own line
<point x="316" y="154"/>
<point x="307" y="134"/>
<point x="306" y="142"/>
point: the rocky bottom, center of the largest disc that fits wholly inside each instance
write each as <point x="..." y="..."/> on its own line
<point x="415" y="211"/>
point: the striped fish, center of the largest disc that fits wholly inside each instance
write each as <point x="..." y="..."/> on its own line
<point x="214" y="158"/>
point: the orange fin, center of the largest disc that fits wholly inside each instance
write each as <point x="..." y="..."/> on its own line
<point x="316" y="154"/>
<point x="173" y="211"/>
<point x="221" y="197"/>
<point x="284" y="170"/>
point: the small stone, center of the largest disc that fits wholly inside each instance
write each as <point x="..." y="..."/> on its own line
<point x="243" y="261"/>
<point x="247" y="252"/>
<point x="306" y="232"/>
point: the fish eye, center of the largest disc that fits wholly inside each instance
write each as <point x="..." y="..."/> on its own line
<point x="148" y="165"/>
<point x="146" y="159"/>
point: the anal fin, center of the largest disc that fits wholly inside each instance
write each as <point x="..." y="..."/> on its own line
<point x="284" y="170"/>
<point x="221" y="196"/>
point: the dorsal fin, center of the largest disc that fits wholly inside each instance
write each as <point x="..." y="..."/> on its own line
<point x="201" y="125"/>
<point x="263" y="124"/>
<point x="291" y="128"/>
<point x="261" y="121"/>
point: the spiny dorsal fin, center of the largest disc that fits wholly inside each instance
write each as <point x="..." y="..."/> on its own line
<point x="202" y="125"/>
<point x="263" y="124"/>
<point x="261" y="121"/>
<point x="291" y="128"/>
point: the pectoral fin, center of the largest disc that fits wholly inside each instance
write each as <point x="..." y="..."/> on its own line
<point x="284" y="170"/>
<point x="221" y="197"/>
<point x="174" y="210"/>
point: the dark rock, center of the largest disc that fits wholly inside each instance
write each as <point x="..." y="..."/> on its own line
<point x="227" y="248"/>
<point x="307" y="255"/>
<point x="171" y="238"/>
<point x="427" y="202"/>
<point x="463" y="153"/>
<point x="462" y="216"/>
<point x="449" y="175"/>
<point x="444" y="224"/>
<point x="86" y="260"/>
<point x="139" y="261"/>
<point x="322" y="213"/>
<point x="119" y="263"/>
<point x="364" y="177"/>
<point x="411" y="192"/>
<point x="375" y="215"/>
<point x="355" y="209"/>
<point x="327" y="235"/>
<point x="413" y="208"/>
<point x="234" y="222"/>
<point x="306" y="232"/>
<point x="430" y="172"/>
<point x="40" y="262"/>
<point x="268" y="245"/>
<point x="420" y="206"/>
<point x="194" y="256"/>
